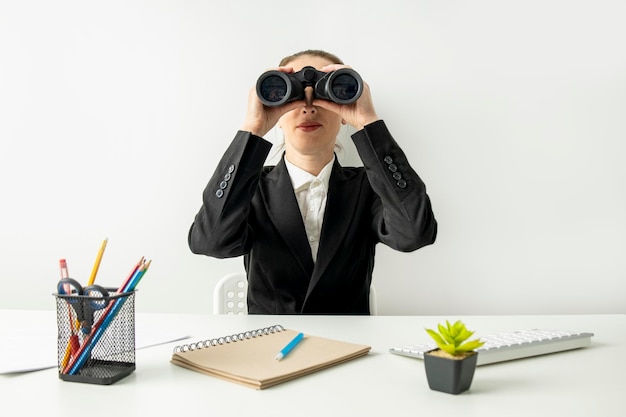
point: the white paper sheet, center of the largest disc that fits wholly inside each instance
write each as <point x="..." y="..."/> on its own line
<point x="29" y="339"/>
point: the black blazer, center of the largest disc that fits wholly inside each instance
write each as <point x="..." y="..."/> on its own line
<point x="251" y="210"/>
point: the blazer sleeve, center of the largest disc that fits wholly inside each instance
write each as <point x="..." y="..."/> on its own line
<point x="402" y="215"/>
<point x="220" y="228"/>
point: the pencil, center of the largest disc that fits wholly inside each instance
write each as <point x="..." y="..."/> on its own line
<point x="131" y="275"/>
<point x="65" y="274"/>
<point x="132" y="284"/>
<point x="98" y="329"/>
<point x="96" y="266"/>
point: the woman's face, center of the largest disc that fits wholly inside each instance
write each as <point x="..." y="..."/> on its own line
<point x="310" y="131"/>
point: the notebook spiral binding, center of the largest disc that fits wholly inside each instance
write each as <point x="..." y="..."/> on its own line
<point x="229" y="339"/>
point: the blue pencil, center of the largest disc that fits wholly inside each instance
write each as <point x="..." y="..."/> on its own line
<point x="110" y="315"/>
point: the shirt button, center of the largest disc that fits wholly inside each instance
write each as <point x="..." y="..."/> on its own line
<point x="396" y="176"/>
<point x="227" y="177"/>
<point x="223" y="185"/>
<point x="231" y="169"/>
<point x="219" y="193"/>
<point x="388" y="159"/>
<point x="393" y="167"/>
<point x="401" y="184"/>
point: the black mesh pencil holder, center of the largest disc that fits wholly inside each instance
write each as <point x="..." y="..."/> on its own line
<point x="96" y="336"/>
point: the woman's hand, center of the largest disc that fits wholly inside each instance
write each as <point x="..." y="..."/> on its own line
<point x="261" y="119"/>
<point x="357" y="114"/>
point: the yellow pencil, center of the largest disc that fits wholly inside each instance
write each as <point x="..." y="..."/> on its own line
<point x="94" y="271"/>
<point x="92" y="278"/>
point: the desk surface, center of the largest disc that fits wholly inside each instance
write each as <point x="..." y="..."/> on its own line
<point x="585" y="382"/>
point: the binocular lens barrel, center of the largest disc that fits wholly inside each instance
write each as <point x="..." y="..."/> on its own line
<point x="275" y="88"/>
<point x="344" y="88"/>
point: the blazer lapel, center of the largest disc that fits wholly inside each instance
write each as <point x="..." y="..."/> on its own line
<point x="282" y="208"/>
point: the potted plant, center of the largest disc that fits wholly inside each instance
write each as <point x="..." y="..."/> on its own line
<point x="450" y="368"/>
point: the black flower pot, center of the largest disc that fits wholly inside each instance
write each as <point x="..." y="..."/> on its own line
<point x="452" y="376"/>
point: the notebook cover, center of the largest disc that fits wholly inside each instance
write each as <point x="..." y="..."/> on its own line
<point x="251" y="362"/>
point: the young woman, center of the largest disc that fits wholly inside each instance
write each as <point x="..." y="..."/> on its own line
<point x="307" y="228"/>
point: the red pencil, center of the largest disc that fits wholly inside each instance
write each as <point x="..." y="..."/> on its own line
<point x="103" y="317"/>
<point x="131" y="275"/>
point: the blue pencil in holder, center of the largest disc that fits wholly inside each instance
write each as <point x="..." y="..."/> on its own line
<point x="106" y="352"/>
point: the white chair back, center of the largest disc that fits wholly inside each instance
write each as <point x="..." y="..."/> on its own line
<point x="230" y="294"/>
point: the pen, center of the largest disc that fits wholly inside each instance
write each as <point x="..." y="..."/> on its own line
<point x="289" y="346"/>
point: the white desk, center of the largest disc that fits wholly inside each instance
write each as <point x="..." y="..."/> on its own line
<point x="586" y="382"/>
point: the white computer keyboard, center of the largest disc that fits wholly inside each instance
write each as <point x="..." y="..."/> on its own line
<point x="506" y="346"/>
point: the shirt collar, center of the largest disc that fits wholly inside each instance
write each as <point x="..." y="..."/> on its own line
<point x="300" y="179"/>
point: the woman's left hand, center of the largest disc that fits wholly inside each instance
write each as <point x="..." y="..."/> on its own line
<point x="357" y="114"/>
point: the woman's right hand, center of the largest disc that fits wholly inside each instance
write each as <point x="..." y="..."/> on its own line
<point x="261" y="119"/>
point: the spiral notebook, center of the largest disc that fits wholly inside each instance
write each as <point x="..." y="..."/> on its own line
<point x="249" y="358"/>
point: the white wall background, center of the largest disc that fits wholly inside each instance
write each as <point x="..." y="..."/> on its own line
<point x="113" y="115"/>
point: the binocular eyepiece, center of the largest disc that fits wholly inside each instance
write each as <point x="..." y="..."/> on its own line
<point x="275" y="88"/>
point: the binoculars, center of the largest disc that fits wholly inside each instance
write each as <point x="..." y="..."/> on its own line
<point x="275" y="88"/>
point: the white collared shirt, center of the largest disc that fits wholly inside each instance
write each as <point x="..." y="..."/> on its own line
<point x="311" y="193"/>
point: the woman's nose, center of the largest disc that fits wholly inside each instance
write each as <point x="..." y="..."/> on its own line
<point x="308" y="98"/>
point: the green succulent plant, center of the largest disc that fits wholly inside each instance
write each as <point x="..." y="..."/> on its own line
<point x="453" y="338"/>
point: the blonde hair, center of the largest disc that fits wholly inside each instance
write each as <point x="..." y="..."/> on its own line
<point x="311" y="52"/>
